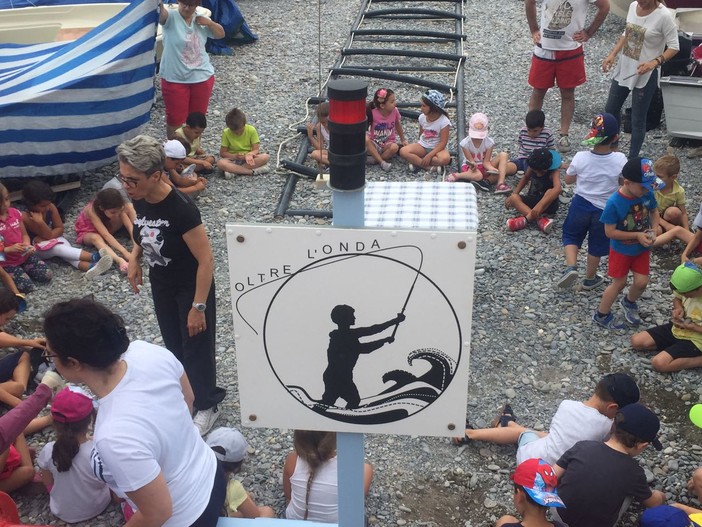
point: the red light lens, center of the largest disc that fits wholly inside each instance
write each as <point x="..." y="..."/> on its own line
<point x="347" y="112"/>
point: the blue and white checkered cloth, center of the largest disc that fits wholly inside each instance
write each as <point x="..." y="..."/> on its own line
<point x="421" y="205"/>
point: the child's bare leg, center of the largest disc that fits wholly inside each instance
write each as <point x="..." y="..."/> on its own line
<point x="261" y="159"/>
<point x="227" y="165"/>
<point x="7" y="394"/>
<point x="664" y="362"/>
<point x="21" y="372"/>
<point x="373" y="151"/>
<point x="499" y="162"/>
<point x="99" y="243"/>
<point x="610" y="294"/>
<point x="515" y="202"/>
<point x="472" y="174"/>
<point x="320" y="156"/>
<point x="673" y="215"/>
<point x="676" y="231"/>
<point x="571" y="255"/>
<point x="638" y="286"/>
<point x="441" y="159"/>
<point x="413" y="154"/>
<point x="593" y="262"/>
<point x="695" y="483"/>
<point x="38" y="424"/>
<point x="503" y="435"/>
<point x="511" y="168"/>
<point x="642" y="341"/>
<point x="22" y="474"/>
<point x="389" y="151"/>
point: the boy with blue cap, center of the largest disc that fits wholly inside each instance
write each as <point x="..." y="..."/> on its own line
<point x="679" y="342"/>
<point x="630" y="220"/>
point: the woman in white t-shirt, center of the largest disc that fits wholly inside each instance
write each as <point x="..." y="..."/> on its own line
<point x="310" y="478"/>
<point x="430" y="152"/>
<point x="649" y="30"/>
<point x="146" y="447"/>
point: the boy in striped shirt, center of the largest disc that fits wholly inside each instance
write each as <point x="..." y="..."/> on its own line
<point x="532" y="136"/>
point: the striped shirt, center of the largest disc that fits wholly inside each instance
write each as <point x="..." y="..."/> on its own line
<point x="528" y="144"/>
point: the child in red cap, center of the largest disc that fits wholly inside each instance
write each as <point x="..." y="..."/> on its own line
<point x="76" y="494"/>
<point x="535" y="485"/>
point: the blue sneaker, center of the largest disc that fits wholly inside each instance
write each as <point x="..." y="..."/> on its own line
<point x="568" y="278"/>
<point x="593" y="283"/>
<point x="608" y="321"/>
<point x="631" y="311"/>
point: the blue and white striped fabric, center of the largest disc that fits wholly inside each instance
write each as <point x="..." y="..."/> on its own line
<point x="64" y="107"/>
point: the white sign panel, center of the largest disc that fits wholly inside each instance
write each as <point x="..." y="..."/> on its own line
<point x="352" y="330"/>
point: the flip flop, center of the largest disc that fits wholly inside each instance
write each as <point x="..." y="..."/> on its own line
<point x="459" y="441"/>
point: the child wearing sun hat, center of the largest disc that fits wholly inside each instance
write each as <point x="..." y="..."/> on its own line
<point x="76" y="494"/>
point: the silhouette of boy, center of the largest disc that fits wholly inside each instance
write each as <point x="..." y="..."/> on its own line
<point x="343" y="352"/>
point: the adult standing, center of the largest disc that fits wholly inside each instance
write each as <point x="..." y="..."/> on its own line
<point x="650" y="28"/>
<point x="558" y="53"/>
<point x="169" y="233"/>
<point x="187" y="75"/>
<point x="145" y="446"/>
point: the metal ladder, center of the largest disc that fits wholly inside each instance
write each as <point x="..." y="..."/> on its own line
<point x="410" y="43"/>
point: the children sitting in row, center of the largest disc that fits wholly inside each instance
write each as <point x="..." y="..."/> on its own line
<point x="101" y="219"/>
<point x="383" y="125"/>
<point x="240" y="151"/>
<point x="541" y="199"/>
<point x="45" y="227"/>
<point x="630" y="220"/>
<point x="481" y="168"/>
<point x="430" y="152"/>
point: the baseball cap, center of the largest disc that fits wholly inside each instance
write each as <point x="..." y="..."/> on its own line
<point x="478" y="126"/>
<point x="71" y="406"/>
<point x="665" y="516"/>
<point x="686" y="277"/>
<point x="640" y="422"/>
<point x="539" y="481"/>
<point x="602" y="127"/>
<point x="622" y="388"/>
<point x="174" y="149"/>
<point x="435" y="97"/>
<point x="640" y="170"/>
<point x="544" y="159"/>
<point x="231" y="441"/>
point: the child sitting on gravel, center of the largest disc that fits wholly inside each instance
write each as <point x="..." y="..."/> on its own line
<point x="670" y="196"/>
<point x="596" y="176"/>
<point x="630" y="218"/>
<point x="240" y="151"/>
<point x="192" y="131"/>
<point x="45" y="227"/>
<point x="678" y="342"/>
<point x="230" y="448"/>
<point x="597" y="480"/>
<point x="541" y="199"/>
<point x="318" y="135"/>
<point x="430" y="151"/>
<point x="383" y="122"/>
<point x="532" y="136"/>
<point x="181" y="177"/>
<point x="481" y="168"/>
<point x="535" y="491"/>
<point x="573" y="421"/>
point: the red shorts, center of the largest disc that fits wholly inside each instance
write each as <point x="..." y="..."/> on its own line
<point x="181" y="100"/>
<point x="620" y="264"/>
<point x="566" y="69"/>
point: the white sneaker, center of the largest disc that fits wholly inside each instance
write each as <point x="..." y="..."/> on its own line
<point x="385" y="166"/>
<point x="564" y="144"/>
<point x="102" y="265"/>
<point x="265" y="169"/>
<point x="205" y="419"/>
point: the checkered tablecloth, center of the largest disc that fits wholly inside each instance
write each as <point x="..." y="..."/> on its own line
<point x="421" y="205"/>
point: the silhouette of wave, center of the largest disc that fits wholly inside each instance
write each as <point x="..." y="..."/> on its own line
<point x="408" y="395"/>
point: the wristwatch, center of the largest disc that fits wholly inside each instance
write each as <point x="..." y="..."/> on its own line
<point x="199" y="307"/>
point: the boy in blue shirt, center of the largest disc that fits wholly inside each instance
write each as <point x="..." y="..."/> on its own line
<point x="630" y="218"/>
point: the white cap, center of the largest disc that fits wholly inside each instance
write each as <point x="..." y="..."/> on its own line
<point x="232" y="441"/>
<point x="174" y="149"/>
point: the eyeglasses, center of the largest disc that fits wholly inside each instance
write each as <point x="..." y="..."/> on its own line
<point x="128" y="181"/>
<point x="46" y="354"/>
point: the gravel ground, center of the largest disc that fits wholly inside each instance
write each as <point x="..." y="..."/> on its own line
<point x="556" y="352"/>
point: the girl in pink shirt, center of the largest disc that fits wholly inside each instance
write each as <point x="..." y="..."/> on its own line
<point x="383" y="122"/>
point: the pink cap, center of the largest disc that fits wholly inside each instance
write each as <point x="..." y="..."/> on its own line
<point x="478" y="126"/>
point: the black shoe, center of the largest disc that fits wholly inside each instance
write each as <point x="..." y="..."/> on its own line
<point x="481" y="185"/>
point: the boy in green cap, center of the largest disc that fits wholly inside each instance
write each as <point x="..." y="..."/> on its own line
<point x="679" y="342"/>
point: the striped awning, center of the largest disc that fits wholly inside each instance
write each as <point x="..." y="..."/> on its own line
<point x="64" y="107"/>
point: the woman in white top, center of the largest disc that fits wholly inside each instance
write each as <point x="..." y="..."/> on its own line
<point x="649" y="29"/>
<point x="146" y="447"/>
<point x="310" y="478"/>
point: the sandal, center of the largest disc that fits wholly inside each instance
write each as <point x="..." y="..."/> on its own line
<point x="452" y="177"/>
<point x="504" y="417"/>
<point x="460" y="441"/>
<point x="492" y="172"/>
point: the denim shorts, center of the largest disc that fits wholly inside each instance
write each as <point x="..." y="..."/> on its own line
<point x="583" y="220"/>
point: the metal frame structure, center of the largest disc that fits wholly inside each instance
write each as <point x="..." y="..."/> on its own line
<point x="392" y="30"/>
